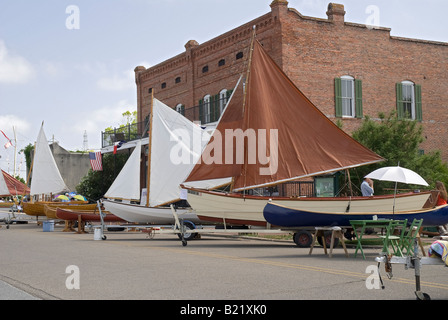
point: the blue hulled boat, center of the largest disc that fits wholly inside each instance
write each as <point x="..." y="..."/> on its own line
<point x="286" y="217"/>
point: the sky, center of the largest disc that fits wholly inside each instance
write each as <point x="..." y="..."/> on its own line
<point x="69" y="64"/>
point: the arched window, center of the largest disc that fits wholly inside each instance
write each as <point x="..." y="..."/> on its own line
<point x="206" y="109"/>
<point x="181" y="109"/>
<point x="223" y="98"/>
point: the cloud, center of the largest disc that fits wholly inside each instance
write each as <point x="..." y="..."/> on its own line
<point x="121" y="82"/>
<point x="8" y="121"/>
<point x="14" y="69"/>
<point x="100" y="119"/>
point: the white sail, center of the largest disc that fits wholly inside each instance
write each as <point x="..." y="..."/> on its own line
<point x="127" y="184"/>
<point x="176" y="145"/>
<point x="46" y="177"/>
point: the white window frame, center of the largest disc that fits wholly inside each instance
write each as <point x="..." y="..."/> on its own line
<point x="348" y="82"/>
<point x="206" y="110"/>
<point x="407" y="86"/>
<point x="179" y="108"/>
<point x="222" y="100"/>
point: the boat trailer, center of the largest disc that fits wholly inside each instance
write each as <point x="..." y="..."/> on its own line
<point x="410" y="262"/>
<point x="184" y="229"/>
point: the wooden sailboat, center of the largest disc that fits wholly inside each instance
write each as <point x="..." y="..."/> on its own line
<point x="300" y="142"/>
<point x="85" y="215"/>
<point x="168" y="130"/>
<point x="46" y="178"/>
<point x="11" y="187"/>
<point x="51" y="208"/>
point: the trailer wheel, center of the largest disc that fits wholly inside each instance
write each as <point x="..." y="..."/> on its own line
<point x="303" y="239"/>
<point x="327" y="236"/>
<point x="188" y="236"/>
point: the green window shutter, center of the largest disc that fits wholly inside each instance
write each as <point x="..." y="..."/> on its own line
<point x="201" y="111"/>
<point x="338" y="96"/>
<point x="418" y="103"/>
<point x="358" y="99"/>
<point x="182" y="110"/>
<point x="229" y="93"/>
<point x="400" y="107"/>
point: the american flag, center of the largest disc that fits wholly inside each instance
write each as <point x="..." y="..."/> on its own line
<point x="96" y="161"/>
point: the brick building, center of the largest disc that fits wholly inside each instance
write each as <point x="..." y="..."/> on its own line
<point x="347" y="70"/>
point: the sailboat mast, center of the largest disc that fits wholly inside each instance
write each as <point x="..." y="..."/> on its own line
<point x="246" y="113"/>
<point x="148" y="186"/>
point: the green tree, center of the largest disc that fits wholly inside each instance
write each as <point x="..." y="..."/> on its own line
<point x="398" y="142"/>
<point x="27" y="152"/>
<point x="96" y="183"/>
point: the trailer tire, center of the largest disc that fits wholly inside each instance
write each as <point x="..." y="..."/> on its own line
<point x="188" y="236"/>
<point x="303" y="239"/>
<point x="327" y="236"/>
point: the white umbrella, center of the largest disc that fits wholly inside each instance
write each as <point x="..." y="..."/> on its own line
<point x="397" y="174"/>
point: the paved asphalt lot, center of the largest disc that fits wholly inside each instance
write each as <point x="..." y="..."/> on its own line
<point x="129" y="266"/>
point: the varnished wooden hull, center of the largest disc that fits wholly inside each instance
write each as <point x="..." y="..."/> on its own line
<point x="38" y="208"/>
<point x="87" y="215"/>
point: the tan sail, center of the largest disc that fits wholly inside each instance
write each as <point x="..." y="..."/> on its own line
<point x="300" y="141"/>
<point x="307" y="143"/>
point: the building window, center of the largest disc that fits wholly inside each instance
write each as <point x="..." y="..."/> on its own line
<point x="239" y="55"/>
<point x="348" y="96"/>
<point x="163" y="85"/>
<point x="222" y="100"/>
<point x="181" y="109"/>
<point x="177" y="80"/>
<point x="221" y="63"/>
<point x="205" y="69"/>
<point x="206" y="109"/>
<point x="409" y="100"/>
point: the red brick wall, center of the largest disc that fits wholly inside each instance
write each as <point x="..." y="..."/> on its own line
<point x="313" y="52"/>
